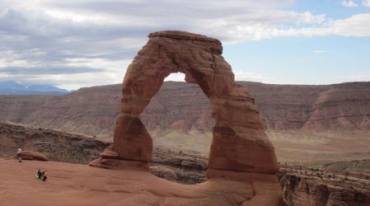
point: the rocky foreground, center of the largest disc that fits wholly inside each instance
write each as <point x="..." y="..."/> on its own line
<point x="301" y="186"/>
<point x="77" y="185"/>
<point x="73" y="148"/>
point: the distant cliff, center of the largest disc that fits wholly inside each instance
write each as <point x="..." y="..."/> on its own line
<point x="184" y="106"/>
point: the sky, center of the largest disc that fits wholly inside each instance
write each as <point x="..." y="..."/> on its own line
<point x="81" y="43"/>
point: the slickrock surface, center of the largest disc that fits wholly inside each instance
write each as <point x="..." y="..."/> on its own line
<point x="78" y="185"/>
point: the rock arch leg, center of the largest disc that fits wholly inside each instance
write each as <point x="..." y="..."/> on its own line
<point x="143" y="79"/>
<point x="239" y="141"/>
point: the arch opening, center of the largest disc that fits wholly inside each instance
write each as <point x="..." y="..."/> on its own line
<point x="178" y="118"/>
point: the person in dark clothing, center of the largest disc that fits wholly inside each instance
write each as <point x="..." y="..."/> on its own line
<point x="44" y="178"/>
<point x="38" y="174"/>
<point x="41" y="175"/>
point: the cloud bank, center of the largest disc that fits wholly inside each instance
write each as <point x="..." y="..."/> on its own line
<point x="82" y="43"/>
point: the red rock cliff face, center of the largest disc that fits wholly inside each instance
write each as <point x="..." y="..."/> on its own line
<point x="88" y="111"/>
<point x="341" y="106"/>
<point x="184" y="106"/>
<point x="285" y="106"/>
<point x="180" y="106"/>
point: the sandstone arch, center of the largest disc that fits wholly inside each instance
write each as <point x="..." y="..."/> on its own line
<point x="239" y="141"/>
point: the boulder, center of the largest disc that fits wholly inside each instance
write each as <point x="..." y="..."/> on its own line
<point x="32" y="155"/>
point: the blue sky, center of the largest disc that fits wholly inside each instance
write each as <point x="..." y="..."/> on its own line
<point x="306" y="60"/>
<point x="80" y="43"/>
<point x="302" y="60"/>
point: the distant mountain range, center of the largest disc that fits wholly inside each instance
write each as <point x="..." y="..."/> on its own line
<point x="15" y="88"/>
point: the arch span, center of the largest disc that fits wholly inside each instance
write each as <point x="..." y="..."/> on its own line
<point x="239" y="141"/>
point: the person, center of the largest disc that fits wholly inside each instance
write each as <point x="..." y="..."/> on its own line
<point x="41" y="175"/>
<point x="19" y="151"/>
<point x="38" y="174"/>
<point x="44" y="177"/>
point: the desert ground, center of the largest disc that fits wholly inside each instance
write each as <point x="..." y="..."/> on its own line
<point x="292" y="146"/>
<point x="79" y="185"/>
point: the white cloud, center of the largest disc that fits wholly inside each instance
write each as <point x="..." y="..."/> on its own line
<point x="357" y="25"/>
<point x="366" y="3"/>
<point x="354" y="26"/>
<point x="319" y="51"/>
<point x="349" y="3"/>
<point x="179" y="77"/>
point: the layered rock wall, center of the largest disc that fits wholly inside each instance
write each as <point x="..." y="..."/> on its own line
<point x="185" y="107"/>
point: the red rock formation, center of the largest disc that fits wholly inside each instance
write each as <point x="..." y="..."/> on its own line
<point x="240" y="148"/>
<point x="31" y="155"/>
